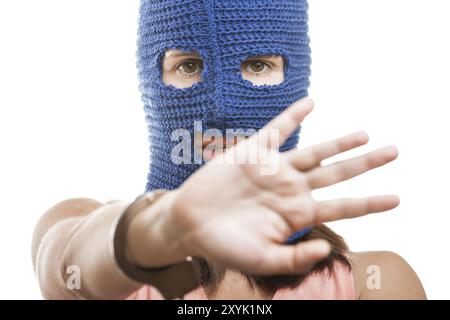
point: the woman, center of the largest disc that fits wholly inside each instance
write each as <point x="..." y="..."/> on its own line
<point x="224" y="86"/>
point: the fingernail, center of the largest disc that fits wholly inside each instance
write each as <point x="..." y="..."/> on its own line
<point x="363" y="136"/>
<point x="308" y="101"/>
<point x="323" y="247"/>
<point x="395" y="199"/>
<point x="393" y="151"/>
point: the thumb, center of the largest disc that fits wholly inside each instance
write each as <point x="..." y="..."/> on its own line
<point x="294" y="259"/>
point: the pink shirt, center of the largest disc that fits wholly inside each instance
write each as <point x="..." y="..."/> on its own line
<point x="338" y="286"/>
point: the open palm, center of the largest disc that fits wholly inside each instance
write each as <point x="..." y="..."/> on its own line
<point x="236" y="215"/>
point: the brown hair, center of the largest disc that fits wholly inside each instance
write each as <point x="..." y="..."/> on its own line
<point x="211" y="276"/>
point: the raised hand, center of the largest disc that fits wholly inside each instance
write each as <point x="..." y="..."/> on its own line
<point x="235" y="215"/>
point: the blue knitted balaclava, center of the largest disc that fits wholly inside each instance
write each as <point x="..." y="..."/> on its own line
<point x="224" y="33"/>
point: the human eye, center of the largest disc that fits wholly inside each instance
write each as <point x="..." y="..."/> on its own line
<point x="189" y="68"/>
<point x="257" y="67"/>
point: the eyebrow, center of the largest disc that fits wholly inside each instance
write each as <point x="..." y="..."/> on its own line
<point x="269" y="56"/>
<point x="176" y="54"/>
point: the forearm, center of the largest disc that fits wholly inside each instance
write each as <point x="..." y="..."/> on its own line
<point x="84" y="243"/>
<point x="88" y="248"/>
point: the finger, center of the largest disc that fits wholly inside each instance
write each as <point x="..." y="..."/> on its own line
<point x="309" y="158"/>
<point x="285" y="123"/>
<point x="321" y="177"/>
<point x="348" y="208"/>
<point x="293" y="259"/>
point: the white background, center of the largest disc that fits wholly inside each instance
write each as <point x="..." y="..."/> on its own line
<point x="72" y="124"/>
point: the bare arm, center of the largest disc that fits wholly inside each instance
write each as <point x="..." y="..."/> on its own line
<point x="76" y="233"/>
<point x="397" y="280"/>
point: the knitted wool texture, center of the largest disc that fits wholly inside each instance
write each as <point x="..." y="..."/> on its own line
<point x="225" y="33"/>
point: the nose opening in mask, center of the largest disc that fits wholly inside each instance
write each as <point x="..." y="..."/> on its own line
<point x="182" y="69"/>
<point x="264" y="70"/>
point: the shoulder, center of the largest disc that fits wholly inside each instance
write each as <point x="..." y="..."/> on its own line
<point x="384" y="275"/>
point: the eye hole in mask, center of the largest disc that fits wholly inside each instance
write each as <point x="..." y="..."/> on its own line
<point x="263" y="70"/>
<point x="182" y="69"/>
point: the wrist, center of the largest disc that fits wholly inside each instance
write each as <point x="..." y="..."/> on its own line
<point x="173" y="224"/>
<point x="142" y="254"/>
<point x="151" y="240"/>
